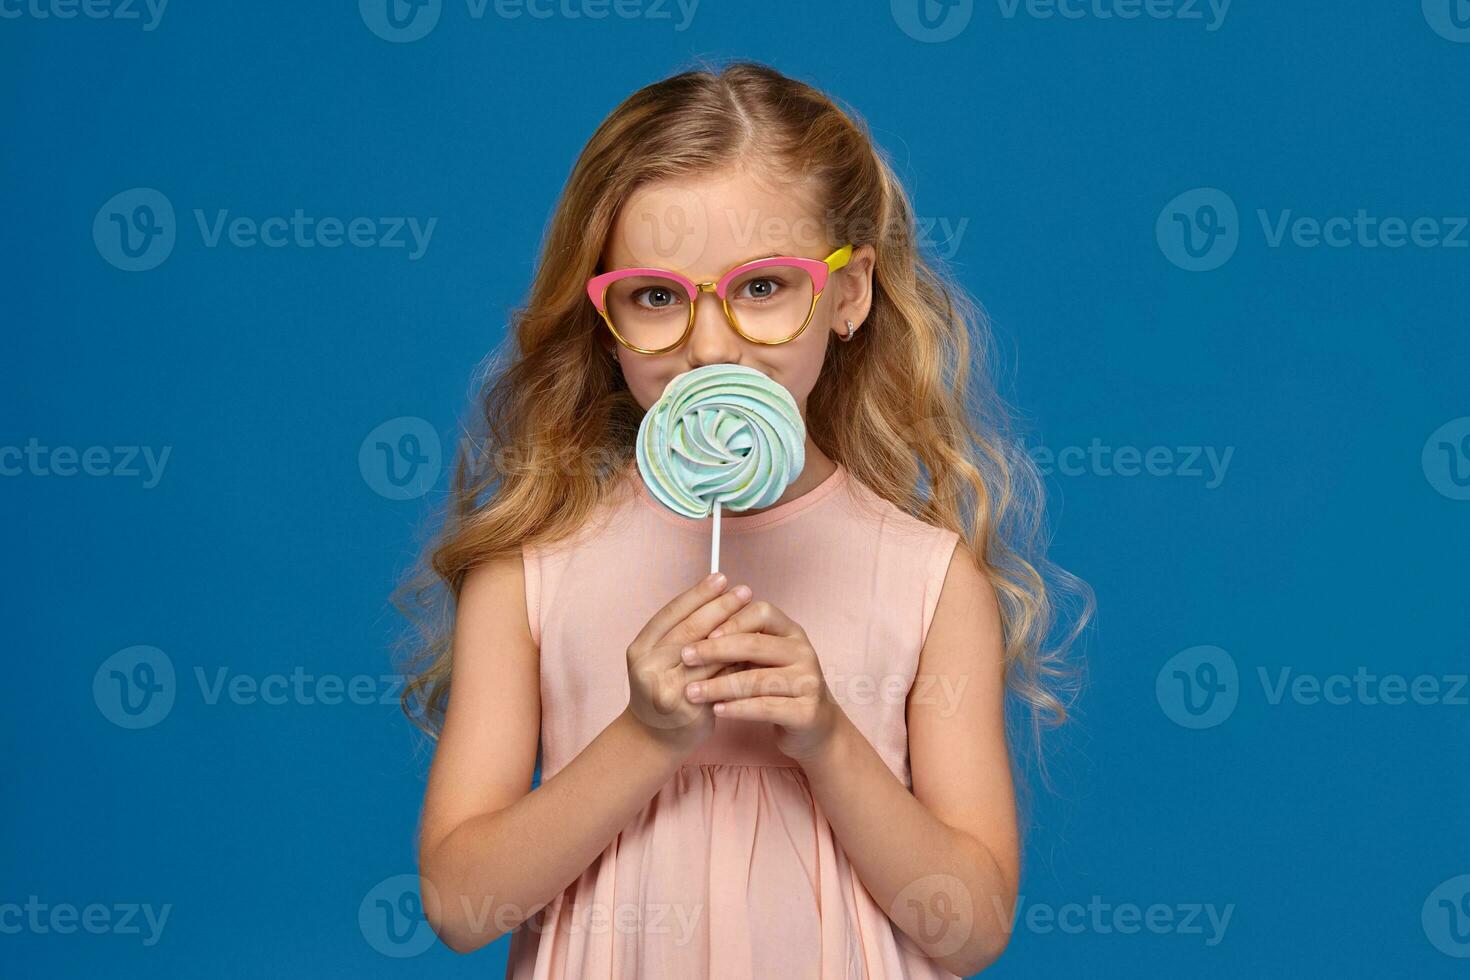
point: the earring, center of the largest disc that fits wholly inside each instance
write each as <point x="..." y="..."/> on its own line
<point x="850" y="328"/>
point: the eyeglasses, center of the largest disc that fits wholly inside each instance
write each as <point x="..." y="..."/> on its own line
<point x="768" y="300"/>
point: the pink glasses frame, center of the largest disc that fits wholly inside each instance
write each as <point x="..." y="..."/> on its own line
<point x="818" y="269"/>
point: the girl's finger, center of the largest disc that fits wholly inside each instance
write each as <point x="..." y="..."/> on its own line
<point x="764" y="682"/>
<point x="777" y="711"/>
<point x="760" y="617"/>
<point x="758" y="648"/>
<point x="676" y="609"/>
<point x="703" y="672"/>
<point x="697" y="624"/>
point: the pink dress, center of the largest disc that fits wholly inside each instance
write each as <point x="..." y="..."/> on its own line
<point x="730" y="871"/>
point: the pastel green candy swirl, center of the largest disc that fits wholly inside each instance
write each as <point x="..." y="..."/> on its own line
<point x="721" y="432"/>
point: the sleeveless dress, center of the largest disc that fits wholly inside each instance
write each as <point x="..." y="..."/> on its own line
<point x="730" y="871"/>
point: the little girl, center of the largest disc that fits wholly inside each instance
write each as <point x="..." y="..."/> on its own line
<point x="797" y="768"/>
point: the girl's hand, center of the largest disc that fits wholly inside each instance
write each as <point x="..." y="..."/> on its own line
<point x="785" y="685"/>
<point x="656" y="675"/>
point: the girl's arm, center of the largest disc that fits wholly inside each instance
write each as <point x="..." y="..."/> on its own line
<point x="490" y="851"/>
<point x="944" y="860"/>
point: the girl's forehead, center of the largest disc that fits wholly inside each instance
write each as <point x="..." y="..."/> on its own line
<point x="703" y="226"/>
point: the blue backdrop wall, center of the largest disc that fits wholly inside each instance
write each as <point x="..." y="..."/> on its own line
<point x="1224" y="245"/>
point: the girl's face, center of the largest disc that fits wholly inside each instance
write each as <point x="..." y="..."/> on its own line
<point x="703" y="227"/>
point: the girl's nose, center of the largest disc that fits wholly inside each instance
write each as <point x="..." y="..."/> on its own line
<point x="712" y="340"/>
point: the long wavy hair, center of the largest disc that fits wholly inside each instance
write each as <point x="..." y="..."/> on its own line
<point x="910" y="406"/>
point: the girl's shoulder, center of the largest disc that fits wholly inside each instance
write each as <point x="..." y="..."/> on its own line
<point x="910" y="546"/>
<point x="905" y="553"/>
<point x="615" y="501"/>
<point x="868" y="506"/>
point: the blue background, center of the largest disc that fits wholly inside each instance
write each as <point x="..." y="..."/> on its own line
<point x="268" y="547"/>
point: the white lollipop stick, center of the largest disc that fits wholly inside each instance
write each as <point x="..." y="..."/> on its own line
<point x="714" y="554"/>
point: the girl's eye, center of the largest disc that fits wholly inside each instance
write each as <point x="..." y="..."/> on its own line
<point x="656" y="297"/>
<point x="759" y="289"/>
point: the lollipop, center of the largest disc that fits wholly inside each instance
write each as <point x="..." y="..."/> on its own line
<point x="720" y="435"/>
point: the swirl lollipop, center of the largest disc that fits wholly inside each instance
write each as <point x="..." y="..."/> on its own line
<point x="720" y="435"/>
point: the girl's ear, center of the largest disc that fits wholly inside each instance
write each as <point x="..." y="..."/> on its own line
<point x="854" y="285"/>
